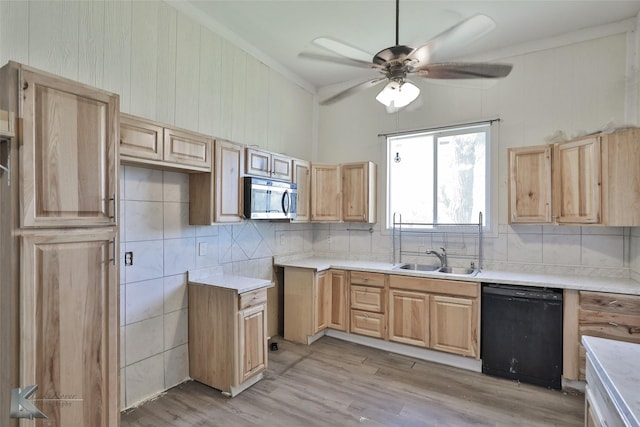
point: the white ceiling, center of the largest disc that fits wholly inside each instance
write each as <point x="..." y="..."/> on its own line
<point x="280" y="30"/>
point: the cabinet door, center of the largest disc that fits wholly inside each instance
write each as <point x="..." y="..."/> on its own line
<point x="338" y="304"/>
<point x="530" y="185"/>
<point x="409" y="317"/>
<point x="281" y="167"/>
<point x="321" y="301"/>
<point x="358" y="192"/>
<point x="227" y="169"/>
<point x="258" y="162"/>
<point x="69" y="326"/>
<point x="454" y="325"/>
<point x="577" y="181"/>
<point x="69" y="153"/>
<point x="302" y="179"/>
<point x="252" y="340"/>
<point x="187" y="148"/>
<point x="325" y="192"/>
<point x="141" y="139"/>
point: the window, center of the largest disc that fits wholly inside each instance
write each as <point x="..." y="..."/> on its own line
<point x="439" y="176"/>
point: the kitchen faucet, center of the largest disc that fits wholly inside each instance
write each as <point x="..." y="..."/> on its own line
<point x="441" y="256"/>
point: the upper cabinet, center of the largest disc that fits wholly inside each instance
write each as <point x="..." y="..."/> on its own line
<point x="344" y="192"/>
<point x="326" y="185"/>
<point x="594" y="180"/>
<point x="530" y="184"/>
<point x="145" y="142"/>
<point x="302" y="179"/>
<point x="215" y="196"/>
<point x="268" y="164"/>
<point x="69" y="153"/>
<point x="359" y="192"/>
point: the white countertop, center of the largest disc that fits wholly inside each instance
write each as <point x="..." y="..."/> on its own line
<point x="584" y="283"/>
<point x="618" y="365"/>
<point x="215" y="277"/>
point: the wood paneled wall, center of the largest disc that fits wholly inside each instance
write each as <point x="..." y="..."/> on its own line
<point x="165" y="66"/>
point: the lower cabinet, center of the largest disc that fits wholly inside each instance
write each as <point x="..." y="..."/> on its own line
<point x="368" y="304"/>
<point x="227" y="337"/>
<point x="409" y="317"/>
<point x="314" y="301"/>
<point x="69" y="325"/>
<point x="454" y="325"/>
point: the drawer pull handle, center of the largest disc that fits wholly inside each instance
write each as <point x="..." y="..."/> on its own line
<point x="613" y="323"/>
<point x="613" y="302"/>
<point x="633" y="330"/>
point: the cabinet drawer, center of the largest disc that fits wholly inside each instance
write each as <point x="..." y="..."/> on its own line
<point x="366" y="323"/>
<point x="368" y="279"/>
<point x="610" y="303"/>
<point x="141" y="139"/>
<point x="367" y="298"/>
<point x="249" y="299"/>
<point x="622" y="327"/>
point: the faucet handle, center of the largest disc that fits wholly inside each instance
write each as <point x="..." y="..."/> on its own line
<point x="444" y="251"/>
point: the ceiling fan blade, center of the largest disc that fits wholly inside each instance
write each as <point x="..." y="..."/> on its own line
<point x="343" y="49"/>
<point x="353" y="89"/>
<point x="451" y="39"/>
<point x="464" y="70"/>
<point x="338" y="60"/>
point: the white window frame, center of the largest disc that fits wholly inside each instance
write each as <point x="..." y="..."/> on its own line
<point x="490" y="214"/>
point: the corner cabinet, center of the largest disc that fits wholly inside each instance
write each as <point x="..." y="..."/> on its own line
<point x="59" y="292"/>
<point x="530" y="184"/>
<point x="227" y="337"/>
<point x="216" y="196"/>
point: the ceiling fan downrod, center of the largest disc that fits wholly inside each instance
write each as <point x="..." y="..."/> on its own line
<point x="397" y="22"/>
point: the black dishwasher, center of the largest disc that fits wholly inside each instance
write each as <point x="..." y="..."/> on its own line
<point x="522" y="334"/>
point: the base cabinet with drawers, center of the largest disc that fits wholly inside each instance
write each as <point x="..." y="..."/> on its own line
<point x="227" y="337"/>
<point x="368" y="304"/>
<point x="596" y="314"/>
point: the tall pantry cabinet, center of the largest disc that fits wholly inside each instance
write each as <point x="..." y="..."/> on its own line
<point x="59" y="219"/>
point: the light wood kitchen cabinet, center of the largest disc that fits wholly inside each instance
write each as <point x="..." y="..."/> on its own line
<point x="216" y="196"/>
<point x="530" y="184"/>
<point x="69" y="153"/>
<point x="595" y="180"/>
<point x="7" y="123"/>
<point x="59" y="287"/>
<point x="302" y="179"/>
<point x="454" y="325"/>
<point x="69" y="321"/>
<point x="326" y="187"/>
<point x="268" y="164"/>
<point x="368" y="304"/>
<point x="409" y="317"/>
<point x="439" y="314"/>
<point x="147" y="143"/>
<point x="313" y="302"/>
<point x="227" y="337"/>
<point x="359" y="192"/>
<point x="597" y="314"/>
<point x="577" y="181"/>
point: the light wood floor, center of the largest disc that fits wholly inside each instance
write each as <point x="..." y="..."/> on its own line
<point x="335" y="383"/>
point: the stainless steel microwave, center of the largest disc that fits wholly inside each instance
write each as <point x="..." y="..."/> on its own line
<point x="268" y="199"/>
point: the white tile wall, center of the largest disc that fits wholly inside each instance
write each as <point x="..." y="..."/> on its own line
<point x="154" y="303"/>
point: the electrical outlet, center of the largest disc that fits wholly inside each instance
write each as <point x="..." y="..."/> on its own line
<point x="202" y="248"/>
<point x="128" y="258"/>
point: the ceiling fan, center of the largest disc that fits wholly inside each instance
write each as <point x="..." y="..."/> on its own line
<point x="398" y="62"/>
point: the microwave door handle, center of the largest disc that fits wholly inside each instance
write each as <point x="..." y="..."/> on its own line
<point x="285" y="205"/>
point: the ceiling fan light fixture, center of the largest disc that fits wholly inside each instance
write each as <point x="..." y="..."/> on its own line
<point x="398" y="94"/>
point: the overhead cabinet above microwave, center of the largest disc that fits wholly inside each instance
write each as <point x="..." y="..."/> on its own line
<point x="591" y="180"/>
<point x="268" y="164"/>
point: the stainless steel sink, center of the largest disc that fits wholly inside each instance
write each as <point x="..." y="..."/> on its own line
<point x="456" y="270"/>
<point x="416" y="267"/>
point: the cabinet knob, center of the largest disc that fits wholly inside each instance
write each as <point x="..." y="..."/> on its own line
<point x="633" y="330"/>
